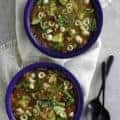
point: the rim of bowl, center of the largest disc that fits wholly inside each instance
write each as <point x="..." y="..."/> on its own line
<point x="47" y="65"/>
<point x="56" y="54"/>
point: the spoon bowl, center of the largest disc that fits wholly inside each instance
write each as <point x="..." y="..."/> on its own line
<point x="95" y="109"/>
<point x="104" y="114"/>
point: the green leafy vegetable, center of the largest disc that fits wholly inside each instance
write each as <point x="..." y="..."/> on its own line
<point x="24" y="84"/>
<point x="57" y="46"/>
<point x="59" y="104"/>
<point x="45" y="103"/>
<point x="93" y="25"/>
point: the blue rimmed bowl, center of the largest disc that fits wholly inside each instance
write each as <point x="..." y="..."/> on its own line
<point x="92" y="39"/>
<point x="48" y="66"/>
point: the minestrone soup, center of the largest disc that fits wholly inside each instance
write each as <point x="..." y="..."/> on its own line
<point x="44" y="95"/>
<point x="63" y="25"/>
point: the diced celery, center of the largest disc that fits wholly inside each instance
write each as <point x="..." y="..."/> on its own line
<point x="45" y="103"/>
<point x="60" y="111"/>
<point x="60" y="104"/>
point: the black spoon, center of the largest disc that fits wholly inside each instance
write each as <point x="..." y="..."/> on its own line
<point x="104" y="114"/>
<point x="108" y="66"/>
<point x="95" y="107"/>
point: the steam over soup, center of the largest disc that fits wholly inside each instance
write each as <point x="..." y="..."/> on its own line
<point x="44" y="95"/>
<point x="63" y="25"/>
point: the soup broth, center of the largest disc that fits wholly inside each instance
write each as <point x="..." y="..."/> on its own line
<point x="44" y="95"/>
<point x="63" y="25"/>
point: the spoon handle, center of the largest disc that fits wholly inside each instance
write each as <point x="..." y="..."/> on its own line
<point x="109" y="64"/>
<point x="103" y="68"/>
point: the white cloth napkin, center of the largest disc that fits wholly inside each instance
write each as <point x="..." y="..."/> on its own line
<point x="8" y="67"/>
<point x="105" y="3"/>
<point x="83" y="66"/>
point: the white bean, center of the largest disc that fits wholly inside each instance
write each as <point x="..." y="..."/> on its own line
<point x="73" y="31"/>
<point x="70" y="47"/>
<point x="62" y="29"/>
<point x="87" y="1"/>
<point x="49" y="37"/>
<point x="78" y="39"/>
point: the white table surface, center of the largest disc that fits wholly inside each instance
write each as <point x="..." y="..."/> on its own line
<point x="110" y="45"/>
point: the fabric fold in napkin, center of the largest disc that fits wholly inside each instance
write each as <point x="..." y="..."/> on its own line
<point x="9" y="60"/>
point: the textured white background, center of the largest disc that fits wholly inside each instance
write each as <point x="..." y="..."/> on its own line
<point x="110" y="45"/>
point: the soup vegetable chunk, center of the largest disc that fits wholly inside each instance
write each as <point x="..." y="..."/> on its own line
<point x="44" y="95"/>
<point x="63" y="25"/>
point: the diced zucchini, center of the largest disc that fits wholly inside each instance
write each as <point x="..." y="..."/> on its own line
<point x="51" y="115"/>
<point x="58" y="38"/>
<point x="35" y="21"/>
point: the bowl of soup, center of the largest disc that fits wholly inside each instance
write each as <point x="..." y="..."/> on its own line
<point x="44" y="91"/>
<point x="63" y="28"/>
